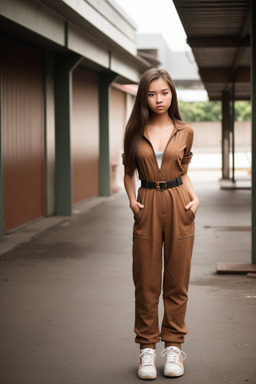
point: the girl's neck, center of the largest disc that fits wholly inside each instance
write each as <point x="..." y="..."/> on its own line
<point x="160" y="120"/>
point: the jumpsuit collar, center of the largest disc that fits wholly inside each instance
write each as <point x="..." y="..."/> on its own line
<point x="177" y="127"/>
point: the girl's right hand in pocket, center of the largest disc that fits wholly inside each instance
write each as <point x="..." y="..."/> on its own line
<point x="136" y="206"/>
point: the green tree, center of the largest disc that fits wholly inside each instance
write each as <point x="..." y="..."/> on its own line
<point x="211" y="111"/>
<point x="242" y="111"/>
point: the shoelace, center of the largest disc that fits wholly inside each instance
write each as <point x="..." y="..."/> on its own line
<point x="173" y="355"/>
<point x="147" y="358"/>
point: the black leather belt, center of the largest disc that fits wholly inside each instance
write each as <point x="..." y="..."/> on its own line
<point x="161" y="185"/>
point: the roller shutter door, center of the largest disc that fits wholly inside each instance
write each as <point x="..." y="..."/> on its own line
<point x="85" y="135"/>
<point x="23" y="141"/>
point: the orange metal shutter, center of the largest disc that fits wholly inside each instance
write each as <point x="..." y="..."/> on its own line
<point x="85" y="135"/>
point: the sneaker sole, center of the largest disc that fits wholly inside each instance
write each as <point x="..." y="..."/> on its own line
<point x="147" y="377"/>
<point x="173" y="374"/>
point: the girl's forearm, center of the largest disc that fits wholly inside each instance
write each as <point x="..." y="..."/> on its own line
<point x="129" y="184"/>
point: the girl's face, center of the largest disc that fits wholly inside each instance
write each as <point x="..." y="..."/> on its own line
<point x="159" y="96"/>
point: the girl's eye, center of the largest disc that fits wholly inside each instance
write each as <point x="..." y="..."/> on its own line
<point x="151" y="94"/>
<point x="165" y="93"/>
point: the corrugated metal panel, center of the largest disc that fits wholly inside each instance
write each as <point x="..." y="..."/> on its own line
<point x="22" y="134"/>
<point x="218" y="32"/>
<point x="85" y="135"/>
<point x="212" y="17"/>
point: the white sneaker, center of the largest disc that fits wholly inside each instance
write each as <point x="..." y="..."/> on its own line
<point x="147" y="368"/>
<point x="174" y="357"/>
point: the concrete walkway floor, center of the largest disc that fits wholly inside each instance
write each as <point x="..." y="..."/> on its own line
<point x="67" y="299"/>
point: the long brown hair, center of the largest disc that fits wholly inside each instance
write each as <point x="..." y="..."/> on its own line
<point x="140" y="114"/>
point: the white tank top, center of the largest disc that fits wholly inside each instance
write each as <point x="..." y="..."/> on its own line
<point x="159" y="157"/>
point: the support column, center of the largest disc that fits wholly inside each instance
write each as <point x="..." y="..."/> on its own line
<point x="253" y="98"/>
<point x="232" y="129"/>
<point x="104" y="164"/>
<point x="225" y="134"/>
<point x="1" y="181"/>
<point x="63" y="98"/>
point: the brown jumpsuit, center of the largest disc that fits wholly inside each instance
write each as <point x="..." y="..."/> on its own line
<point x="163" y="220"/>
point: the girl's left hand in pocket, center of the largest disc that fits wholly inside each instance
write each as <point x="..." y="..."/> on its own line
<point x="193" y="205"/>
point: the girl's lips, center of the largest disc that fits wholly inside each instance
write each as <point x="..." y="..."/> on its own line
<point x="160" y="107"/>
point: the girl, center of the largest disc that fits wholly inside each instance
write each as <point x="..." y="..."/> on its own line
<point x="158" y="144"/>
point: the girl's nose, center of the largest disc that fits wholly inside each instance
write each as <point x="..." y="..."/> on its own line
<point x="158" y="99"/>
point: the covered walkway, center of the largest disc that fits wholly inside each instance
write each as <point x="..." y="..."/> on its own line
<point x="222" y="36"/>
<point x="67" y="298"/>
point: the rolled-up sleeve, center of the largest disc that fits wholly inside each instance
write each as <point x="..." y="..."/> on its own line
<point x="187" y="158"/>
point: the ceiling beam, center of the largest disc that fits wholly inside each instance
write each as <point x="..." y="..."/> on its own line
<point x="218" y="41"/>
<point x="243" y="34"/>
<point x="225" y="75"/>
